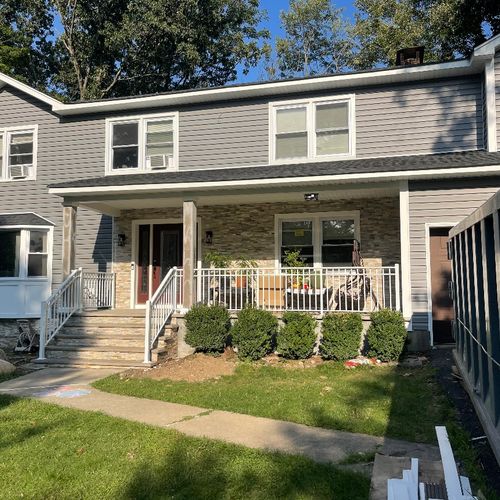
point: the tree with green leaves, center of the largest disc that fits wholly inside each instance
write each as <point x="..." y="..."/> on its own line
<point x="108" y="48"/>
<point x="25" y="46"/>
<point x="447" y="28"/>
<point x="316" y="39"/>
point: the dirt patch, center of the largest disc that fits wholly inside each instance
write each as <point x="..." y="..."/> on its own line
<point x="292" y="364"/>
<point x="195" y="368"/>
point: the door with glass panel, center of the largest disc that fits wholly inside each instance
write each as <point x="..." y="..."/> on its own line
<point x="159" y="249"/>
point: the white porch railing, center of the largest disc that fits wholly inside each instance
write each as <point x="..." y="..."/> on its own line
<point x="166" y="300"/>
<point x="80" y="290"/>
<point x="359" y="289"/>
<point x="98" y="290"/>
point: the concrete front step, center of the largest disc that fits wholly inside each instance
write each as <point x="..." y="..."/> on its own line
<point x="97" y="352"/>
<point x="106" y="322"/>
<point x="101" y="331"/>
<point x="91" y="363"/>
<point x="125" y="341"/>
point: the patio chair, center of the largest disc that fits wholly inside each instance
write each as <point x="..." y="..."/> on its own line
<point x="353" y="293"/>
<point x="28" y="338"/>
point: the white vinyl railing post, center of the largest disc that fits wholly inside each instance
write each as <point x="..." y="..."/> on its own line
<point x="147" y="334"/>
<point x="113" y="290"/>
<point x="397" y="287"/>
<point x="81" y="291"/>
<point x="42" y="332"/>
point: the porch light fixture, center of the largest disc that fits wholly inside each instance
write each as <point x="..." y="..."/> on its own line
<point x="122" y="239"/>
<point x="311" y="197"/>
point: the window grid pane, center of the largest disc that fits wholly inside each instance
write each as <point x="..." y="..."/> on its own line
<point x="10" y="244"/>
<point x="37" y="255"/>
<point x="126" y="134"/>
<point x="291" y="120"/>
<point x="21" y="148"/>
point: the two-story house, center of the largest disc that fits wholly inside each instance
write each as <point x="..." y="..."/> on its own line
<point x="360" y="176"/>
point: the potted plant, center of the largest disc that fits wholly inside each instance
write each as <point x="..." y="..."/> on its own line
<point x="293" y="259"/>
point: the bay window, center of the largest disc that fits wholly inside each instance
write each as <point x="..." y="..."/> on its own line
<point x="321" y="239"/>
<point x="312" y="129"/>
<point x="23" y="253"/>
<point x="142" y="144"/>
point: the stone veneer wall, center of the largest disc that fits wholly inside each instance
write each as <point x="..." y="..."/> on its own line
<point x="248" y="230"/>
<point x="9" y="333"/>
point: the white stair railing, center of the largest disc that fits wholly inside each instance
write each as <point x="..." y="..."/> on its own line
<point x="79" y="291"/>
<point x="160" y="308"/>
<point x="59" y="307"/>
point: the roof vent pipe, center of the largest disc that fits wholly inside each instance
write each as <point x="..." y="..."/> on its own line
<point x="410" y="56"/>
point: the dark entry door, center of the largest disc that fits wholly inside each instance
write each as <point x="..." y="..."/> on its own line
<point x="166" y="252"/>
<point x="442" y="305"/>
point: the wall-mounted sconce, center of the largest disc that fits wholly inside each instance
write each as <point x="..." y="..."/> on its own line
<point x="311" y="197"/>
<point x="209" y="237"/>
<point x="122" y="239"/>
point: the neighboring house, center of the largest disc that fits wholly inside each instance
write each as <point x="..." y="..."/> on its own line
<point x="389" y="158"/>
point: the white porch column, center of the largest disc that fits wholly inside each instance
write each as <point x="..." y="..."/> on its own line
<point x="69" y="233"/>
<point x="404" y="222"/>
<point x="189" y="252"/>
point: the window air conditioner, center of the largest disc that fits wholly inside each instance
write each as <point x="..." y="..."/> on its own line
<point x="159" y="162"/>
<point x="19" y="171"/>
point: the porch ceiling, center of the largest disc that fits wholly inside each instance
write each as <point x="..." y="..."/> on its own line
<point x="113" y="204"/>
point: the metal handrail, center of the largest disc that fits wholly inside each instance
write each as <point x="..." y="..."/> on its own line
<point x="59" y="307"/>
<point x="79" y="291"/>
<point x="160" y="308"/>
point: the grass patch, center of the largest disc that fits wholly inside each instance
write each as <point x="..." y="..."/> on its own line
<point x="49" y="452"/>
<point x="9" y="376"/>
<point x="382" y="401"/>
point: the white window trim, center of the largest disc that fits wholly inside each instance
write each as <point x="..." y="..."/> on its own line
<point x="24" y="252"/>
<point x="310" y="105"/>
<point x="5" y="132"/>
<point x="316" y="218"/>
<point x="141" y="119"/>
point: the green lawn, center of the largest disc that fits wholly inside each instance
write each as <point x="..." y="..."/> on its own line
<point x="48" y="452"/>
<point x="383" y="401"/>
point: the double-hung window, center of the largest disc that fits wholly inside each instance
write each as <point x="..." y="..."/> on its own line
<point x="18" y="153"/>
<point x="312" y="129"/>
<point x="142" y="144"/>
<point x="321" y="239"/>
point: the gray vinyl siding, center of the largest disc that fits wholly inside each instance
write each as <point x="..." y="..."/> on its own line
<point x="497" y="93"/>
<point x="438" y="203"/>
<point x="417" y="118"/>
<point x="432" y="117"/>
<point x="224" y="135"/>
<point x="67" y="149"/>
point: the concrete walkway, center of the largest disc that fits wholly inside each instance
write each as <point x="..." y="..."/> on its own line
<point x="69" y="388"/>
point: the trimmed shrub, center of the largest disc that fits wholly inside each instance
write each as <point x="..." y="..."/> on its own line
<point x="341" y="336"/>
<point x="207" y="327"/>
<point x="386" y="335"/>
<point x="297" y="336"/>
<point x="254" y="333"/>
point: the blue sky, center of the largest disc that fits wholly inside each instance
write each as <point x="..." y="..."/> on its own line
<point x="273" y="8"/>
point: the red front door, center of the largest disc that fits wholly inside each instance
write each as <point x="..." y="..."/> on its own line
<point x="160" y="249"/>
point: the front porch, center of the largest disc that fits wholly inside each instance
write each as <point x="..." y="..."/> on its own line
<point x="170" y="253"/>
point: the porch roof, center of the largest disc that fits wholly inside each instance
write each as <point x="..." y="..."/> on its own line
<point x="415" y="166"/>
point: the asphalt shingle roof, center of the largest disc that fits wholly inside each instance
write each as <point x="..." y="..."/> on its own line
<point x="26" y="219"/>
<point x="342" y="167"/>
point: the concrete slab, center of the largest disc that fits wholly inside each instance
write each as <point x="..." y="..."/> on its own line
<point x="136" y="409"/>
<point x="322" y="445"/>
<point x="53" y="377"/>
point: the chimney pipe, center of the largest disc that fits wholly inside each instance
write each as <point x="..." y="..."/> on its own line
<point x="410" y="56"/>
